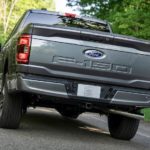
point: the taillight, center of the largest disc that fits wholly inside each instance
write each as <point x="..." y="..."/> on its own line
<point x="70" y="15"/>
<point x="23" y="49"/>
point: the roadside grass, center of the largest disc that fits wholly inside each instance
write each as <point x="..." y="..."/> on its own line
<point x="146" y="114"/>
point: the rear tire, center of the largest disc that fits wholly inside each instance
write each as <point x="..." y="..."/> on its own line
<point x="121" y="127"/>
<point x="10" y="109"/>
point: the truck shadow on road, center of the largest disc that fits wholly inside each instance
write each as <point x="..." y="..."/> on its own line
<point x="45" y="130"/>
<point x="50" y="125"/>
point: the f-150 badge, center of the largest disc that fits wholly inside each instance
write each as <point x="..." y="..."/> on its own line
<point x="96" y="65"/>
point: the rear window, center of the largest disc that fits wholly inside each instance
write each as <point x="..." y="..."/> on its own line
<point x="66" y="21"/>
<point x="82" y="23"/>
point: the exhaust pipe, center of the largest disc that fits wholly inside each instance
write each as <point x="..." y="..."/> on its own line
<point x="123" y="113"/>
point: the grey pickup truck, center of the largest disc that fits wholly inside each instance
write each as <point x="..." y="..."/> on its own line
<point x="74" y="64"/>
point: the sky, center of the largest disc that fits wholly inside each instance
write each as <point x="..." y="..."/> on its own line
<point x="61" y="7"/>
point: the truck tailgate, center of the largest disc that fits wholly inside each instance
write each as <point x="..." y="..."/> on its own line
<point x="62" y="53"/>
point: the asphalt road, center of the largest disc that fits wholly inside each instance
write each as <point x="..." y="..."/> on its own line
<point x="44" y="129"/>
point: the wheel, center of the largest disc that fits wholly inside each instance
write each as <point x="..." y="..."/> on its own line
<point x="121" y="127"/>
<point x="10" y="109"/>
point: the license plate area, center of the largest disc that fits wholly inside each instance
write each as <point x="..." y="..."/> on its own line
<point x="89" y="91"/>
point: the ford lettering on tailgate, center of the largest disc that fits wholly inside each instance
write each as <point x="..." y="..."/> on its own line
<point x="68" y="61"/>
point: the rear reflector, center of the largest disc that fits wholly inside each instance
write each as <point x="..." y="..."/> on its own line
<point x="23" y="49"/>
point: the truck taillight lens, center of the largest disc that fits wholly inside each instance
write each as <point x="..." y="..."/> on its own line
<point x="70" y="15"/>
<point x="23" y="49"/>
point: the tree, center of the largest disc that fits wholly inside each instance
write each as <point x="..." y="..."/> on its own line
<point x="11" y="10"/>
<point x="5" y="12"/>
<point x="126" y="16"/>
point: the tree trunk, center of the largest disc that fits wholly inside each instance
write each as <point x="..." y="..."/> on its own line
<point x="6" y="13"/>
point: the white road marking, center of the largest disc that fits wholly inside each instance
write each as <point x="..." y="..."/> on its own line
<point x="144" y="135"/>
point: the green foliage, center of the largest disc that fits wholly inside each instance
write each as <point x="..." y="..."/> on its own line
<point x="130" y="17"/>
<point x="20" y="6"/>
<point x="2" y="38"/>
<point x="147" y="114"/>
